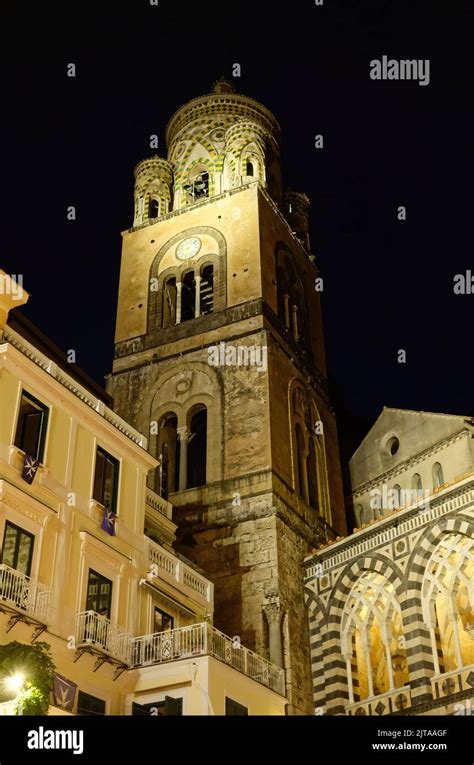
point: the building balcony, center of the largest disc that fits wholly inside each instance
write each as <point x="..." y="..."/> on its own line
<point x="159" y="518"/>
<point x="24" y="598"/>
<point x="168" y="567"/>
<point x="157" y="503"/>
<point x="390" y="703"/>
<point x="98" y="635"/>
<point x="205" y="640"/>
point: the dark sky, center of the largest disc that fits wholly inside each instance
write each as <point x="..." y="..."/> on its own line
<point x="388" y="284"/>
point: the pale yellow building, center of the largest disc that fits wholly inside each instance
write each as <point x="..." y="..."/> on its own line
<point x="128" y="621"/>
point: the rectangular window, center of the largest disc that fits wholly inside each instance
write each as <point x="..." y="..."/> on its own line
<point x="99" y="594"/>
<point x="17" y="550"/>
<point x="169" y="707"/>
<point x="89" y="705"/>
<point x="106" y="480"/>
<point x="31" y="426"/>
<point x="233" y="708"/>
<point x="162" y="621"/>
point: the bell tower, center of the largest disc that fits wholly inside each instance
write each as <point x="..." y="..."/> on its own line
<point x="219" y="357"/>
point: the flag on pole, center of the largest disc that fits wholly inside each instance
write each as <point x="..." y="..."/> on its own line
<point x="30" y="467"/>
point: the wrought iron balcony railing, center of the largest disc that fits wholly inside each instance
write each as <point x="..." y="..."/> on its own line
<point x="205" y="640"/>
<point x="98" y="632"/>
<point x="25" y="594"/>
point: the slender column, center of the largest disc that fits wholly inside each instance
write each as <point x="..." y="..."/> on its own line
<point x="434" y="649"/>
<point x="286" y="308"/>
<point x="368" y="664"/>
<point x="350" y="688"/>
<point x="294" y="311"/>
<point x="457" y="645"/>
<point x="197" y="306"/>
<point x="273" y="613"/>
<point x="388" y="655"/>
<point x="304" y="474"/>
<point x="183" y="435"/>
<point x="179" y="287"/>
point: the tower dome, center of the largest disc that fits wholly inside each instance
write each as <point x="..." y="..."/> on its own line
<point x="222" y="140"/>
<point x="153" y="189"/>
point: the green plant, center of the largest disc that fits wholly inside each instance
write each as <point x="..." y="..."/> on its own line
<point x="35" y="663"/>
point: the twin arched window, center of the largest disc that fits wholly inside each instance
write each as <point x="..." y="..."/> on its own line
<point x="292" y="301"/>
<point x="306" y="449"/>
<point x="182" y="451"/>
<point x="197" y="185"/>
<point x="188" y="297"/>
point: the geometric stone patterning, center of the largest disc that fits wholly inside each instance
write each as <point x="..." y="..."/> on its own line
<point x="394" y="631"/>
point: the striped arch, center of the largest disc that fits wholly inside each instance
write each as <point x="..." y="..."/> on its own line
<point x="337" y="686"/>
<point x="422" y="648"/>
<point x="194" y="140"/>
<point x="429" y="540"/>
<point x="219" y="162"/>
<point x="185" y="170"/>
<point x="317" y="637"/>
<point x="252" y="151"/>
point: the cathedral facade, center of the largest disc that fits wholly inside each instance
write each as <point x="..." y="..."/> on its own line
<point x="219" y="358"/>
<point x="392" y="605"/>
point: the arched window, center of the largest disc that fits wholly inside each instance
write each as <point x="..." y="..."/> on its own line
<point x="168" y="453"/>
<point x="359" y="514"/>
<point x="249" y="168"/>
<point x="371" y="638"/>
<point x="207" y="290"/>
<point x="438" y="478"/>
<point x="197" y="186"/>
<point x="300" y="461"/>
<point x="291" y="300"/>
<point x="312" y="473"/>
<point x="153" y="207"/>
<point x="197" y="447"/>
<point x="417" y="486"/>
<point x="396" y="497"/>
<point x="448" y="603"/>
<point x="188" y="297"/>
<point x="169" y="302"/>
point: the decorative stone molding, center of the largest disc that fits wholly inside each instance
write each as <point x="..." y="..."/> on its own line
<point x="28" y="350"/>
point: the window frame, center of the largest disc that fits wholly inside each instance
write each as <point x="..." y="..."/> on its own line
<point x="116" y="463"/>
<point x="19" y="436"/>
<point x="238" y="709"/>
<point x="165" y="614"/>
<point x="90" y="696"/>
<point x="100" y="578"/>
<point x="17" y="544"/>
<point x="167" y="704"/>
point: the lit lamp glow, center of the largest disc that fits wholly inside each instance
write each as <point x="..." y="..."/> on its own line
<point x="15" y="682"/>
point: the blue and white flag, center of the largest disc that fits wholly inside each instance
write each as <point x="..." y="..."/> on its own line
<point x="108" y="522"/>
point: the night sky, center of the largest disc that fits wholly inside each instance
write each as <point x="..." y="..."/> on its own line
<point x="388" y="284"/>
